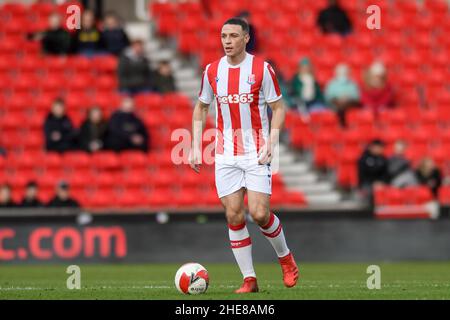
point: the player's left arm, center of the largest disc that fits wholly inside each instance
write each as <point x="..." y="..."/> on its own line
<point x="278" y="116"/>
<point x="273" y="96"/>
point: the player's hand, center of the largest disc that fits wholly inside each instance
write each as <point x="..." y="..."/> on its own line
<point x="195" y="159"/>
<point x="265" y="154"/>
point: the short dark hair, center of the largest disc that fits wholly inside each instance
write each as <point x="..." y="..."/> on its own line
<point x="377" y="142"/>
<point x="240" y="22"/>
<point x="31" y="184"/>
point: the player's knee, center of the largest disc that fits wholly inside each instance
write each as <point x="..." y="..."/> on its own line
<point x="235" y="217"/>
<point x="259" y="214"/>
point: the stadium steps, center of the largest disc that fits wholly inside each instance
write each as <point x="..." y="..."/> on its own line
<point x="187" y="78"/>
<point x="298" y="175"/>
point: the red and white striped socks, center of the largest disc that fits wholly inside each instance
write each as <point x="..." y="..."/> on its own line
<point x="241" y="245"/>
<point x="273" y="231"/>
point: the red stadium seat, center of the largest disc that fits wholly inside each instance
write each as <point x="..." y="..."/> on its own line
<point x="444" y="195"/>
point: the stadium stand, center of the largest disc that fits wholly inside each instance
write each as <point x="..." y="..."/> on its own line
<point x="103" y="180"/>
<point x="413" y="44"/>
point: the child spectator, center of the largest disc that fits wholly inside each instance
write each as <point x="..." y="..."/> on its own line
<point x="125" y="130"/>
<point x="114" y="38"/>
<point x="92" y="132"/>
<point x="428" y="174"/>
<point x="59" y="131"/>
<point x="134" y="69"/>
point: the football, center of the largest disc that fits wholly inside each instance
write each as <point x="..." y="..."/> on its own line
<point x="192" y="278"/>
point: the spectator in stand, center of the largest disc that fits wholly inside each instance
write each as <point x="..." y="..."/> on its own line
<point x="376" y="93"/>
<point x="305" y="88"/>
<point x="2" y="152"/>
<point x="31" y="199"/>
<point x="56" y="40"/>
<point x="372" y="167"/>
<point x="59" y="131"/>
<point x="400" y="172"/>
<point x="163" y="80"/>
<point x="62" y="197"/>
<point x="334" y="19"/>
<point x="87" y="41"/>
<point x="252" y="45"/>
<point x="125" y="130"/>
<point x="114" y="38"/>
<point x="428" y="174"/>
<point x="134" y="69"/>
<point x="89" y="4"/>
<point x="342" y="92"/>
<point x="6" y="200"/>
<point x="92" y="132"/>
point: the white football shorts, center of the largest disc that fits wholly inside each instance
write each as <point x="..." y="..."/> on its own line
<point x="233" y="175"/>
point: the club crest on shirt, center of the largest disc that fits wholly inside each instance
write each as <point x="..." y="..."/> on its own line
<point x="251" y="79"/>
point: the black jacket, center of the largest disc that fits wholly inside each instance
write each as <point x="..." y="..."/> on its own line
<point x="56" y="42"/>
<point x="58" y="203"/>
<point x="35" y="203"/>
<point x="90" y="132"/>
<point x="87" y="40"/>
<point x="9" y="204"/>
<point x="115" y="41"/>
<point x="334" y="19"/>
<point x="134" y="72"/>
<point x="372" y="168"/>
<point x="433" y="181"/>
<point x="64" y="127"/>
<point x="163" y="84"/>
<point x="122" y="125"/>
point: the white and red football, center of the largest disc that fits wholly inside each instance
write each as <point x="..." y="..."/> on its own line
<point x="192" y="278"/>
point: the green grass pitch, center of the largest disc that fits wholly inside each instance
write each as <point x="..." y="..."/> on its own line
<point x="419" y="280"/>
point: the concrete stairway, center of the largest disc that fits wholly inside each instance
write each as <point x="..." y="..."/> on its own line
<point x="298" y="175"/>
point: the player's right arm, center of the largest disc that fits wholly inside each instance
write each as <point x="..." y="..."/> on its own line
<point x="198" y="124"/>
<point x="199" y="115"/>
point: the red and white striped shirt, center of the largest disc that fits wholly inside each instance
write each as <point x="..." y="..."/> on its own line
<point x="241" y="93"/>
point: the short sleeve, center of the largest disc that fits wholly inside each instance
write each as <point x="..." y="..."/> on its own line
<point x="270" y="86"/>
<point x="206" y="94"/>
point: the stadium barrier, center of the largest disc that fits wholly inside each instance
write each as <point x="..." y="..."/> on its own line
<point x="189" y="237"/>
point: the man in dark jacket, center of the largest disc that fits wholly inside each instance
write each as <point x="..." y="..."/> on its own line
<point x="372" y="167"/>
<point x="62" y="198"/>
<point x="56" y="40"/>
<point x="114" y="38"/>
<point x="163" y="80"/>
<point x="125" y="130"/>
<point x="333" y="19"/>
<point x="134" y="69"/>
<point x="59" y="131"/>
<point x="31" y="200"/>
